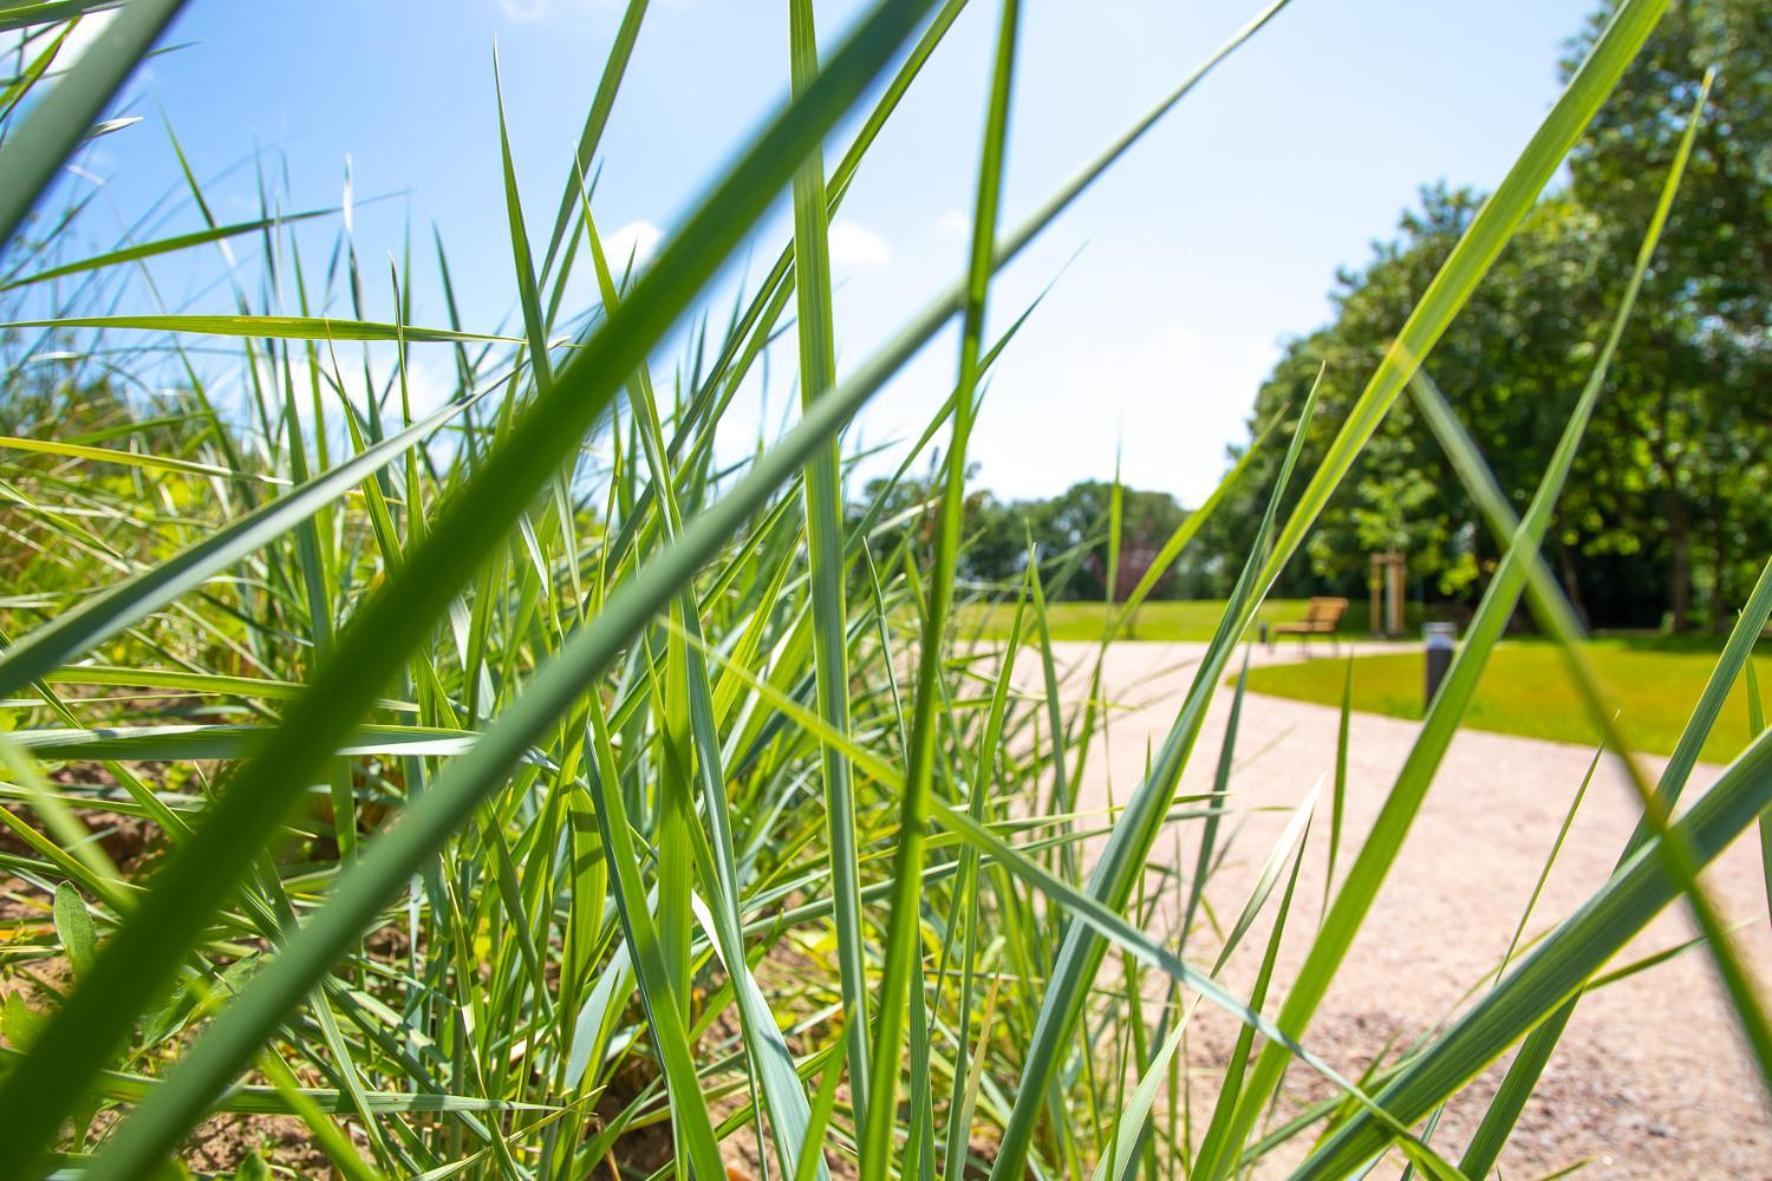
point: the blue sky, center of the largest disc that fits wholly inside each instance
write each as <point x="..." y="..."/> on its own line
<point x="1215" y="239"/>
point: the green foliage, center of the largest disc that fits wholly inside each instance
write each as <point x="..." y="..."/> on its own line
<point x="1070" y="533"/>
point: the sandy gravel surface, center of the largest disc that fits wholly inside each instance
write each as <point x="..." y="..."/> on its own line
<point x="1650" y="1079"/>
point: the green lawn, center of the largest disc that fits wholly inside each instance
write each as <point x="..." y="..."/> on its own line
<point x="1525" y="691"/>
<point x="1191" y="619"/>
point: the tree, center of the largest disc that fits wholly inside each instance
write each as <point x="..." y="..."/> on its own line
<point x="1070" y="532"/>
<point x="1699" y="356"/>
<point x="1080" y="519"/>
<point x="1667" y="493"/>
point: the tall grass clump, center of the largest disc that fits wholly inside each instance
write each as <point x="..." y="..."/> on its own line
<point x="515" y="789"/>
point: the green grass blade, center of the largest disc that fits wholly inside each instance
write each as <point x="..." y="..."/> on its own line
<point x="1221" y="784"/>
<point x="904" y="951"/>
<point x="226" y="741"/>
<point x="783" y="1094"/>
<point x="1756" y="722"/>
<point x="1553" y="613"/>
<point x="596" y="119"/>
<point x="319" y="328"/>
<point x="1476" y="250"/>
<point x="23" y="13"/>
<point x="1528" y="1064"/>
<point x="1338" y="798"/>
<point x="812" y="1144"/>
<point x="824" y="544"/>
<point x="161" y="246"/>
<point x="1133" y="835"/>
<point x="1084" y="908"/>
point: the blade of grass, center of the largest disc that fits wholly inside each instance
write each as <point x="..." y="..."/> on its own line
<point x="161" y="246"/>
<point x="75" y="633"/>
<point x="1553" y="613"/>
<point x="596" y="119"/>
<point x="1451" y="287"/>
<point x="1756" y="722"/>
<point x="1560" y="965"/>
<point x="1132" y="837"/>
<point x="1629" y="27"/>
<point x="1338" y="799"/>
<point x="783" y="1094"/>
<point x="904" y="952"/>
<point x="268" y="327"/>
<point x="824" y="544"/>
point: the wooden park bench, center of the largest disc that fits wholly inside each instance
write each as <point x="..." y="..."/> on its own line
<point x="1322" y="617"/>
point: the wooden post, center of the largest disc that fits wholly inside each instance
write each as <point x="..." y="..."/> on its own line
<point x="1387" y="579"/>
<point x="1399" y="574"/>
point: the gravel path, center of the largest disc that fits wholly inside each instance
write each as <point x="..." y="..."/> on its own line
<point x="1650" y="1079"/>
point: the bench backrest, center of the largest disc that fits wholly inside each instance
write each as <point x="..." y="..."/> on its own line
<point x="1325" y="610"/>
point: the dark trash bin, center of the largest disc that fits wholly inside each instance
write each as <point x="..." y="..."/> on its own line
<point x="1442" y="641"/>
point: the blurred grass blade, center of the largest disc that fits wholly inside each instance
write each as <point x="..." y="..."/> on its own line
<point x="1756" y="722"/>
<point x="1554" y="615"/>
<point x="21" y="13"/>
<point x="1522" y="1075"/>
<point x="32" y="154"/>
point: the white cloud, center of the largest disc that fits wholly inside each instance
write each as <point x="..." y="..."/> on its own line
<point x="954" y="222"/>
<point x="430" y="381"/>
<point x="637" y="240"/>
<point x="525" y="10"/>
<point x="851" y="245"/>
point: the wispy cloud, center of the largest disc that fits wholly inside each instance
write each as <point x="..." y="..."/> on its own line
<point x="637" y="240"/>
<point x="851" y="245"/>
<point x="525" y="10"/>
<point x="954" y="222"/>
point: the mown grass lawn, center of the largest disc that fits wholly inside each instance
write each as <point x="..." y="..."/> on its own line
<point x="1192" y="619"/>
<point x="1525" y="690"/>
<point x="1189" y="619"/>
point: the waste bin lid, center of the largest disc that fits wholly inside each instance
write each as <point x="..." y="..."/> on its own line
<point x="1440" y="631"/>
